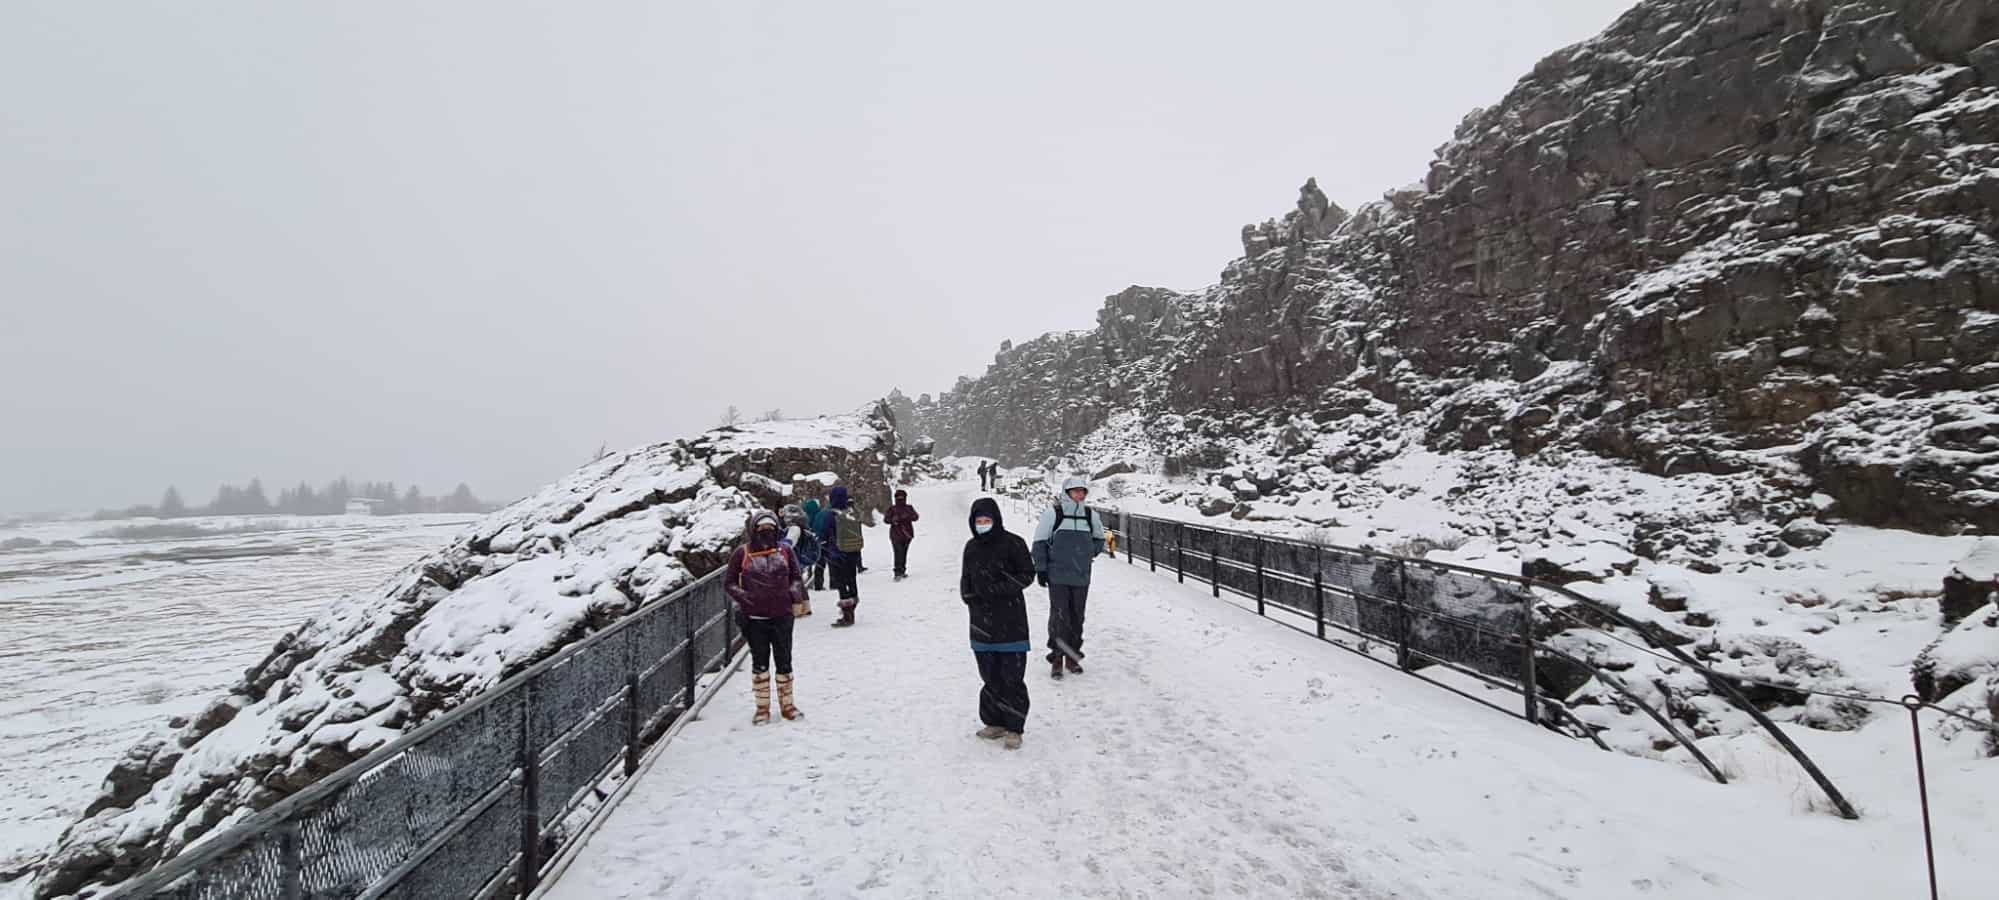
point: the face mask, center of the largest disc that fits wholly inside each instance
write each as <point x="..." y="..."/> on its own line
<point x="982" y="529"/>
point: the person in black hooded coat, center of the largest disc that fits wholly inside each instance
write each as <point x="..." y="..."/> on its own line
<point x="997" y="569"/>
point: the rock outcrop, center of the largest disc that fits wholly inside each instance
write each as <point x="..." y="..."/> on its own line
<point x="1724" y="236"/>
<point x="511" y="590"/>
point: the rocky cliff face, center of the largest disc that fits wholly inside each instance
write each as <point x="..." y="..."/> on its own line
<point x="513" y="589"/>
<point x="1724" y="236"/>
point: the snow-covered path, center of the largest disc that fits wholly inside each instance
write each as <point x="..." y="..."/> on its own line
<point x="1205" y="752"/>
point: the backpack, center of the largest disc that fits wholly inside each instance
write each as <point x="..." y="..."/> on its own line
<point x="807" y="549"/>
<point x="847" y="532"/>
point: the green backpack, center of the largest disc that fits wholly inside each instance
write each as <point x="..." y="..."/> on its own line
<point x="848" y="530"/>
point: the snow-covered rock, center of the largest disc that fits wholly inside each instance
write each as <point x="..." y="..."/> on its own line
<point x="1653" y="249"/>
<point x="511" y="590"/>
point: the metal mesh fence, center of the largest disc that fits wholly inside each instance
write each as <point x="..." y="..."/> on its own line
<point x="251" y="871"/>
<point x="452" y="808"/>
<point x="1431" y="614"/>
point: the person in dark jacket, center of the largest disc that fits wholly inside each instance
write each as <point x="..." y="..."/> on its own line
<point x="819" y="565"/>
<point x="844" y="561"/>
<point x="763" y="580"/>
<point x="901" y="530"/>
<point x="997" y="570"/>
<point x="1068" y="538"/>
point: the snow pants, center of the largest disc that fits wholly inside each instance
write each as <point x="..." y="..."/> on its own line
<point x="819" y="575"/>
<point x="845" y="569"/>
<point x="1003" y="700"/>
<point x="768" y="637"/>
<point x="902" y="558"/>
<point x="1065" y="619"/>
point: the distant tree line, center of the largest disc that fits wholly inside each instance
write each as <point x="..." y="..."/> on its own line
<point x="252" y="500"/>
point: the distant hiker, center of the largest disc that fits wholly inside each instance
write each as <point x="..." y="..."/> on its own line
<point x="996" y="571"/>
<point x="804" y="544"/>
<point x="1065" y="542"/>
<point x="818" y="565"/>
<point x="982" y="476"/>
<point x="841" y="540"/>
<point x="901" y="520"/>
<point x="764" y="581"/>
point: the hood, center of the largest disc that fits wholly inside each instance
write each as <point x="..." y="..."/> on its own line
<point x="838" y="496"/>
<point x="1072" y="482"/>
<point x="986" y="506"/>
<point x="792" y="512"/>
<point x="757" y="519"/>
<point x="811" y="510"/>
<point x="901" y="496"/>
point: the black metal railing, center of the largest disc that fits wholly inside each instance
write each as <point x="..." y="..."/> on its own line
<point x="476" y="802"/>
<point x="1487" y="626"/>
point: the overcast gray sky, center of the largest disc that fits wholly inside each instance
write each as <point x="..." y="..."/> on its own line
<point x="471" y="241"/>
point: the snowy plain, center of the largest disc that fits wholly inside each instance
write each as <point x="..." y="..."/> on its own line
<point x="102" y="639"/>
<point x="1208" y="752"/>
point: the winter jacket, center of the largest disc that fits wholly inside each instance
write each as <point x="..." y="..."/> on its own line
<point x="763" y="578"/>
<point x="997" y="570"/>
<point x="901" y="520"/>
<point x="1064" y="553"/>
<point x="828" y="523"/>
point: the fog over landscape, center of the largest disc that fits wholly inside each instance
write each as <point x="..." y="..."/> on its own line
<point x="473" y="243"/>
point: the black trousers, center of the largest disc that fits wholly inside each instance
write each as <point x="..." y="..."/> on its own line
<point x="1003" y="700"/>
<point x="1065" y="619"/>
<point x="902" y="558"/>
<point x="768" y="637"/>
<point x="845" y="567"/>
<point x="819" y="575"/>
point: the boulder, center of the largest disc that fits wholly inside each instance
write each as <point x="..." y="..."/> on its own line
<point x="1804" y="534"/>
<point x="1121" y="467"/>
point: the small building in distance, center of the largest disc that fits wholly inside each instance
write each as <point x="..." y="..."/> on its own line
<point x="361" y="506"/>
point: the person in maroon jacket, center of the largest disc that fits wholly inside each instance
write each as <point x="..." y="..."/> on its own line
<point x="901" y="530"/>
<point x="763" y="578"/>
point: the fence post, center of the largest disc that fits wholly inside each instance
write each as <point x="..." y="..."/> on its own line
<point x="1319" y="602"/>
<point x="1529" y="681"/>
<point x="1151" y="551"/>
<point x="1401" y="614"/>
<point x="1180" y="551"/>
<point x="693" y="648"/>
<point x="530" y="757"/>
<point x="1259" y="576"/>
<point x="633" y="720"/>
<point x="291" y="874"/>
<point x="1215" y="567"/>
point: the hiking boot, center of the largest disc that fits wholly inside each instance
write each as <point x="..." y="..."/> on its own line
<point x="992" y="733"/>
<point x="1011" y="740"/>
<point x="846" y="617"/>
<point x="1055" y="669"/>
<point x="1075" y="668"/>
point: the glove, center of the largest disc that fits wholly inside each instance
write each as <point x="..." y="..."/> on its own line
<point x="1041" y="578"/>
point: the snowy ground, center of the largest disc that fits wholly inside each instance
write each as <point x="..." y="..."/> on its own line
<point x="1207" y="752"/>
<point x="102" y="639"/>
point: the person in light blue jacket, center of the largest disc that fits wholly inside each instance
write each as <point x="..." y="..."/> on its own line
<point x="1065" y="543"/>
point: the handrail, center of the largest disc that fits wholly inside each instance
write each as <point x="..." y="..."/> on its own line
<point x="212" y="847"/>
<point x="1719" y="682"/>
<point x="1404" y="613"/>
